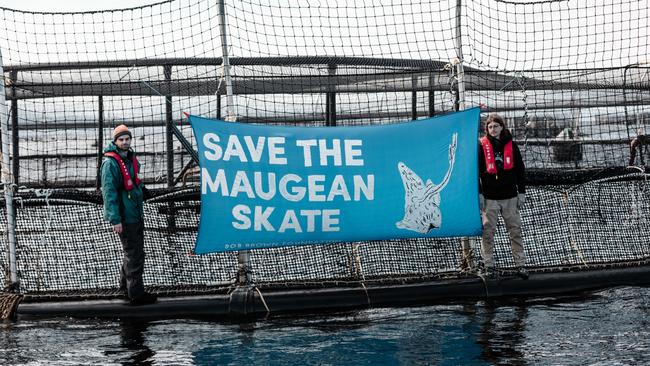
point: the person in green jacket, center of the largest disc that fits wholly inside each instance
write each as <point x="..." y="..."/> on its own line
<point x="123" y="194"/>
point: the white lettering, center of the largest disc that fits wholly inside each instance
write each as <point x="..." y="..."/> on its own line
<point x="351" y="153"/>
<point x="276" y="149"/>
<point x="234" y="148"/>
<point x="255" y="150"/>
<point x="338" y="189"/>
<point x="241" y="184"/>
<point x="334" y="152"/>
<point x="306" y="149"/>
<point x="329" y="220"/>
<point x="297" y="193"/>
<point x="259" y="190"/>
<point x="290" y="221"/>
<point x="310" y="214"/>
<point x="213" y="185"/>
<point x="368" y="188"/>
<point x="314" y="188"/>
<point x="262" y="218"/>
<point x="210" y="142"/>
<point x="239" y="212"/>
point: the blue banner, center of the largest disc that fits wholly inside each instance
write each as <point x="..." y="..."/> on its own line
<point x="267" y="186"/>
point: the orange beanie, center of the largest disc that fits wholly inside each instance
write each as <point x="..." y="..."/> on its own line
<point x="120" y="131"/>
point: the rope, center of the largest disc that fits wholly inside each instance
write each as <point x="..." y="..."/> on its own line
<point x="268" y="311"/>
<point x="573" y="240"/>
<point x="365" y="289"/>
<point x="8" y="305"/>
<point x="453" y="79"/>
<point x="485" y="285"/>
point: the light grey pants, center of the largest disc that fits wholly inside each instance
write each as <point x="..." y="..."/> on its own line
<point x="490" y="215"/>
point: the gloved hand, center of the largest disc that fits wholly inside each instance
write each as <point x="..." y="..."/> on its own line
<point x="521" y="198"/>
<point x="481" y="202"/>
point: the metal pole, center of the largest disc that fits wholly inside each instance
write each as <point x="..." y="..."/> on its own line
<point x="169" y="123"/>
<point x="230" y="114"/>
<point x="218" y="105"/>
<point x="432" y="97"/>
<point x="171" y="218"/>
<point x="100" y="140"/>
<point x="465" y="242"/>
<point x="460" y="71"/>
<point x="414" y="98"/>
<point x="330" y="98"/>
<point x="15" y="155"/>
<point x="8" y="181"/>
<point x="627" y="126"/>
<point x="243" y="257"/>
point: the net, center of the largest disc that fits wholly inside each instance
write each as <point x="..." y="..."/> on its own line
<point x="570" y="78"/>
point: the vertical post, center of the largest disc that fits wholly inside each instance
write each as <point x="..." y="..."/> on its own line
<point x="15" y="156"/>
<point x="7" y="181"/>
<point x="627" y="116"/>
<point x="243" y="256"/>
<point x="44" y="172"/>
<point x="330" y="98"/>
<point x="465" y="242"/>
<point x="169" y="125"/>
<point x="432" y="96"/>
<point x="458" y="62"/>
<point x="218" y="105"/>
<point x="414" y="98"/>
<point x="100" y="139"/>
<point x="230" y="103"/>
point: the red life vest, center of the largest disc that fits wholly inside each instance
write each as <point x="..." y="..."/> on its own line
<point x="488" y="153"/>
<point x="126" y="176"/>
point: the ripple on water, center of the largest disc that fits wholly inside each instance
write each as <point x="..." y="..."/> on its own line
<point x="609" y="327"/>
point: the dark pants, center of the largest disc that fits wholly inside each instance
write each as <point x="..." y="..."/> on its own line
<point x="132" y="238"/>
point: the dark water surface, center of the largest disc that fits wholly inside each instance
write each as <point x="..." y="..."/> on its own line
<point x="610" y="327"/>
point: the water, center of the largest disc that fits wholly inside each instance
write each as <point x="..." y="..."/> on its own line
<point x="605" y="328"/>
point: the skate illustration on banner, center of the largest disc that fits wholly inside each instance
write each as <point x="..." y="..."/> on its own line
<point x="422" y="202"/>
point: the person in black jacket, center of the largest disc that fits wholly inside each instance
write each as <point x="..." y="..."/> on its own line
<point x="502" y="191"/>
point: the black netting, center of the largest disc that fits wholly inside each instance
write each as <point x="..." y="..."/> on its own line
<point x="568" y="76"/>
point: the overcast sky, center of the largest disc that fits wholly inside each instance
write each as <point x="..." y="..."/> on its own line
<point x="72" y="5"/>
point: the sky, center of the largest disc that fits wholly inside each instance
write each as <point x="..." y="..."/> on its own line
<point x="72" y="5"/>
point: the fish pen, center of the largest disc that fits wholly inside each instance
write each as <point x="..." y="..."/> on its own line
<point x="570" y="79"/>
